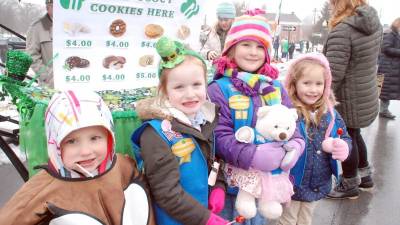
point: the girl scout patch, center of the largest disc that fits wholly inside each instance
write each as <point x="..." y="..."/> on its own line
<point x="183" y="149"/>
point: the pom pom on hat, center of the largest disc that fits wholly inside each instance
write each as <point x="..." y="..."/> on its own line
<point x="226" y="10"/>
<point x="251" y="26"/>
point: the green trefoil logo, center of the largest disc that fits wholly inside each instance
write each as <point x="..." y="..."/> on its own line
<point x="190" y="8"/>
<point x="72" y="4"/>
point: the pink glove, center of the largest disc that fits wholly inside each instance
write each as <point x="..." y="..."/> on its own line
<point x="268" y="156"/>
<point x="338" y="147"/>
<point x="216" y="200"/>
<point x="216" y="220"/>
<point x="294" y="148"/>
<point x="327" y="145"/>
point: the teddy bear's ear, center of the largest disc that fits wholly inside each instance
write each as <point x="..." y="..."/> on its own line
<point x="263" y="111"/>
<point x="294" y="113"/>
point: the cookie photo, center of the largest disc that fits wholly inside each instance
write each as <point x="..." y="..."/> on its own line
<point x="153" y="31"/>
<point x="118" y="28"/>
<point x="183" y="32"/>
<point x="146" y="60"/>
<point x="114" y="62"/>
<point x="76" y="62"/>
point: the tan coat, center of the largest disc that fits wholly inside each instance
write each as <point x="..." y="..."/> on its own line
<point x="39" y="44"/>
<point x="213" y="43"/>
<point x="47" y="197"/>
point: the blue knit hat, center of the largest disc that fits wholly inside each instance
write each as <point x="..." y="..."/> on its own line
<point x="226" y="10"/>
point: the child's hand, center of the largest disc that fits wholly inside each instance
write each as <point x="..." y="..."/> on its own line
<point x="340" y="149"/>
<point x="268" y="156"/>
<point x="295" y="148"/>
<point x="327" y="145"/>
<point x="216" y="200"/>
<point x="216" y="220"/>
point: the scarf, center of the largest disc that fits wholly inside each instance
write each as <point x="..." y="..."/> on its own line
<point x="255" y="84"/>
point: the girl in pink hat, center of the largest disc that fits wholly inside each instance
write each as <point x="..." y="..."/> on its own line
<point x="244" y="82"/>
<point x="308" y="83"/>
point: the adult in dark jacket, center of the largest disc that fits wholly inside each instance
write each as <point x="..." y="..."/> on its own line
<point x="389" y="64"/>
<point x="352" y="49"/>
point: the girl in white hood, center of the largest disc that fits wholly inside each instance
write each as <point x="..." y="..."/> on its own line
<point x="84" y="180"/>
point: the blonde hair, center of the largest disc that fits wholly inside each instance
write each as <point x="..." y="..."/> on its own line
<point x="162" y="85"/>
<point x="343" y="9"/>
<point x="303" y="110"/>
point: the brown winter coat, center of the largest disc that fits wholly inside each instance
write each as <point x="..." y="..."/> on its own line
<point x="45" y="197"/>
<point x="162" y="167"/>
<point x="352" y="49"/>
<point x="39" y="44"/>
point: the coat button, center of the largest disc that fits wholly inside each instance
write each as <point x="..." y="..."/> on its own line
<point x="319" y="152"/>
<point x="315" y="190"/>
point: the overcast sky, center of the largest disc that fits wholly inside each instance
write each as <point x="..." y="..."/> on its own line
<point x="387" y="9"/>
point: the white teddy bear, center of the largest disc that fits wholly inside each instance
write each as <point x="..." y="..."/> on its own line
<point x="274" y="123"/>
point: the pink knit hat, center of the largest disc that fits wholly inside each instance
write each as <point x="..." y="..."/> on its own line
<point x="320" y="59"/>
<point x="251" y="26"/>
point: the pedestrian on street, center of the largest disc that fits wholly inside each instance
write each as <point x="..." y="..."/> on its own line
<point x="308" y="83"/>
<point x="276" y="47"/>
<point x="352" y="49"/>
<point x="307" y="46"/>
<point x="284" y="48"/>
<point x="39" y="44"/>
<point x="291" y="49"/>
<point x="240" y="87"/>
<point x="389" y="65"/>
<point x="215" y="37"/>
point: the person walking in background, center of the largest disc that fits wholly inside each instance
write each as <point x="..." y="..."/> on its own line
<point x="276" y="47"/>
<point x="308" y="83"/>
<point x="284" y="48"/>
<point x="215" y="39"/>
<point x="389" y="65"/>
<point x="39" y="44"/>
<point x="307" y="46"/>
<point x="176" y="141"/>
<point x="245" y="81"/>
<point x="352" y="49"/>
<point x="291" y="49"/>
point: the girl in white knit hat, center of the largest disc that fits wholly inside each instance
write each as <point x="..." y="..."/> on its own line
<point x="84" y="180"/>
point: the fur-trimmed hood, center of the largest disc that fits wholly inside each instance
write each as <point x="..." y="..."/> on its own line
<point x="154" y="108"/>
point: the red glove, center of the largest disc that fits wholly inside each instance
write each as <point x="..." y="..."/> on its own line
<point x="216" y="200"/>
<point x="216" y="220"/>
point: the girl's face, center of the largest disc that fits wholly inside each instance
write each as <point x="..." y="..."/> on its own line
<point x="186" y="88"/>
<point x="86" y="147"/>
<point x="249" y="55"/>
<point x="310" y="86"/>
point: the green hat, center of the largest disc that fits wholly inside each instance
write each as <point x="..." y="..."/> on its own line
<point x="17" y="64"/>
<point x="172" y="53"/>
